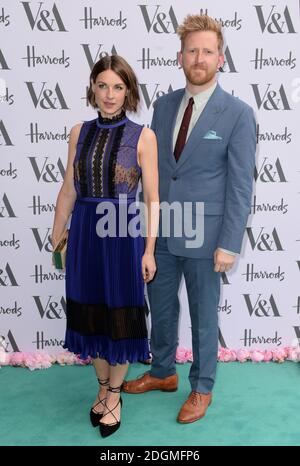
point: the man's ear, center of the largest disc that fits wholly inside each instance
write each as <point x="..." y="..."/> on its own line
<point x="221" y="61"/>
<point x="179" y="55"/>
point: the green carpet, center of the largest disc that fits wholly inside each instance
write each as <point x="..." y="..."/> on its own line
<point x="253" y="404"/>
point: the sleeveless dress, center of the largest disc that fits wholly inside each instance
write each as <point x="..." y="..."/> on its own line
<point x="105" y="301"/>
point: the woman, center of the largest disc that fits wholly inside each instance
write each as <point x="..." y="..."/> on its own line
<point x="105" y="275"/>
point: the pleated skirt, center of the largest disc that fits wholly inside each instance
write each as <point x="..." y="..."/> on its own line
<point x="105" y="301"/>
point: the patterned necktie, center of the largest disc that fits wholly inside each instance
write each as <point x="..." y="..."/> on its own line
<point x="181" y="138"/>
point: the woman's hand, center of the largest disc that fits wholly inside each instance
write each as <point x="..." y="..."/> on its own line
<point x="148" y="267"/>
<point x="54" y="238"/>
<point x="54" y="241"/>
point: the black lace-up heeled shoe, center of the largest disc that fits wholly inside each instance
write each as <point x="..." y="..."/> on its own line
<point x="108" y="429"/>
<point x="94" y="415"/>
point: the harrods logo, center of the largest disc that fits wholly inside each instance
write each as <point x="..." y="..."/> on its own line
<point x="262" y="307"/>
<point x="270" y="136"/>
<point x="90" y="21"/>
<point x="4" y="135"/>
<point x="10" y="172"/>
<point x="41" y="342"/>
<point x="36" y="135"/>
<point x="159" y="21"/>
<point x="38" y="207"/>
<point x="91" y="59"/>
<point x="40" y="276"/>
<point x="4" y="18"/>
<point x="269" y="172"/>
<point x="234" y="22"/>
<point x="10" y="243"/>
<point x="43" y="243"/>
<point x="8" y="342"/>
<point x="150" y="96"/>
<point x="47" y="99"/>
<point x="47" y="172"/>
<point x="260" y="61"/>
<point x="225" y="308"/>
<point x="44" y="20"/>
<point x="3" y="62"/>
<point x="273" y="21"/>
<point x="262" y="207"/>
<point x="253" y="274"/>
<point x="7" y="277"/>
<point x="33" y="58"/>
<point x="148" y="60"/>
<point x="250" y="340"/>
<point x="52" y="309"/>
<point x="270" y="99"/>
<point x="14" y="310"/>
<point x="7" y="97"/>
<point x="6" y="209"/>
<point x="264" y="241"/>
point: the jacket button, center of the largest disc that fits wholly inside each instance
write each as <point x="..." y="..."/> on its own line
<point x="174" y="178"/>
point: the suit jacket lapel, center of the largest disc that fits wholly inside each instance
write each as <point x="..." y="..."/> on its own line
<point x="205" y="122"/>
<point x="171" y="114"/>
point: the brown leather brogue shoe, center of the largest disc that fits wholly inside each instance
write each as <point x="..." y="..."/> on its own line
<point x="147" y="382"/>
<point x="194" y="408"/>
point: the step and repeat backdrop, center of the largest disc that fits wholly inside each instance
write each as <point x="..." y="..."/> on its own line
<point x="47" y="50"/>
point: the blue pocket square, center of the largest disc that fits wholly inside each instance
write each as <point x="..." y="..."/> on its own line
<point x="211" y="135"/>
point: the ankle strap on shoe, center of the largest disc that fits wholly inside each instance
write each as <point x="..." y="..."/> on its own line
<point x="103" y="382"/>
<point x="115" y="389"/>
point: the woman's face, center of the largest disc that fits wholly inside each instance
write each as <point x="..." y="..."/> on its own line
<point x="110" y="92"/>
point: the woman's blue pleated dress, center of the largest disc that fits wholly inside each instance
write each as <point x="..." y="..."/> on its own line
<point x="105" y="300"/>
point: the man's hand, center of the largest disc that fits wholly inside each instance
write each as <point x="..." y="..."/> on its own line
<point x="148" y="267"/>
<point x="223" y="261"/>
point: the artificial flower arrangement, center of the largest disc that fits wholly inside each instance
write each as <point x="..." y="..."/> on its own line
<point x="42" y="360"/>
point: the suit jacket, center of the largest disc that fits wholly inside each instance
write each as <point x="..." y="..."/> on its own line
<point x="216" y="167"/>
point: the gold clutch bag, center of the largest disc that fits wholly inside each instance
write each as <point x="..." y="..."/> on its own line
<point x="60" y="252"/>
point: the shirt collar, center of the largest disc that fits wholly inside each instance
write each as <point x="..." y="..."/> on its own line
<point x="201" y="97"/>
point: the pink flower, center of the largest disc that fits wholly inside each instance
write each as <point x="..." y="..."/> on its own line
<point x="181" y="355"/>
<point x="66" y="357"/>
<point x="189" y="355"/>
<point x="52" y="358"/>
<point x="243" y="355"/>
<point x="279" y="354"/>
<point x="268" y="355"/>
<point x="226" y="355"/>
<point x="17" y="359"/>
<point x="293" y="354"/>
<point x="38" y="360"/>
<point x="257" y="355"/>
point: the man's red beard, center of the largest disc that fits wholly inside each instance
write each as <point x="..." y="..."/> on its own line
<point x="196" y="79"/>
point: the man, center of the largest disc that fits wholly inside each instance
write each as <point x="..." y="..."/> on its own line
<point x="206" y="141"/>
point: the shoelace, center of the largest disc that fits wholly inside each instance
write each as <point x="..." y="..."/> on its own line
<point x="194" y="398"/>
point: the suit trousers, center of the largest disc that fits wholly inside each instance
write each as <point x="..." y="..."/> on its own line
<point x="203" y="290"/>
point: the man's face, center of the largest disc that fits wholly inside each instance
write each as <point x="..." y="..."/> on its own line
<point x="200" y="57"/>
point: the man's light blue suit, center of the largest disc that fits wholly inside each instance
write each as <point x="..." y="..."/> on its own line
<point x="216" y="167"/>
